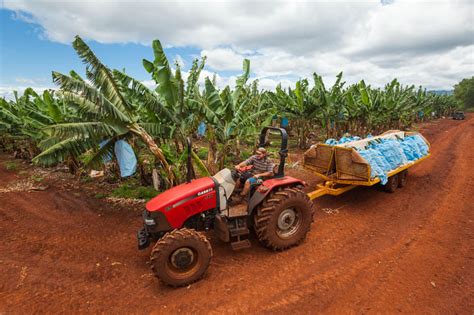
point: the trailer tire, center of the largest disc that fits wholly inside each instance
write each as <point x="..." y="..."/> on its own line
<point x="181" y="257"/>
<point x="402" y="178"/>
<point x="391" y="184"/>
<point x="284" y="218"/>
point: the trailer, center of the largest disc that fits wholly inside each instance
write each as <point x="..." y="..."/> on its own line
<point x="342" y="168"/>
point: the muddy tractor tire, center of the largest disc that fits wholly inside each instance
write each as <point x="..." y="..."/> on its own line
<point x="402" y="178"/>
<point x="391" y="184"/>
<point x="284" y="218"/>
<point x="181" y="257"/>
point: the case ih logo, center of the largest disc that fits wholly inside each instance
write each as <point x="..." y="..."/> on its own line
<point x="204" y="191"/>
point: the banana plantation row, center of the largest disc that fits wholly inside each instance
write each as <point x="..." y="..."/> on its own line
<point x="79" y="123"/>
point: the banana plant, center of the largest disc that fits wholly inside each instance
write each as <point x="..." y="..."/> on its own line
<point x="26" y="117"/>
<point x="161" y="121"/>
<point x="231" y="116"/>
<point x="170" y="109"/>
<point x="177" y="98"/>
<point x="104" y="113"/>
<point x="70" y="123"/>
<point x="299" y="106"/>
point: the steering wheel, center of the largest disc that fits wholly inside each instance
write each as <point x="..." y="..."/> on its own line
<point x="242" y="173"/>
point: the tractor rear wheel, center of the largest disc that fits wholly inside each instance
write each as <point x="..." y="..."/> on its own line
<point x="284" y="218"/>
<point x="391" y="184"/>
<point x="181" y="257"/>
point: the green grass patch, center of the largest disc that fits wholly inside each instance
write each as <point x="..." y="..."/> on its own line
<point x="131" y="190"/>
<point x="100" y="196"/>
<point x="202" y="153"/>
<point x="11" y="165"/>
<point x="37" y="178"/>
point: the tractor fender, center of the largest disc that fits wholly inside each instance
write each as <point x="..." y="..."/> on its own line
<point x="268" y="186"/>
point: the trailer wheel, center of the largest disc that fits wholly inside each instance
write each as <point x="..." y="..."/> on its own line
<point x="402" y="178"/>
<point x="181" y="257"/>
<point x="284" y="218"/>
<point x="391" y="184"/>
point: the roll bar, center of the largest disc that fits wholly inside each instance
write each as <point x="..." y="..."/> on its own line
<point x="189" y="173"/>
<point x="283" y="148"/>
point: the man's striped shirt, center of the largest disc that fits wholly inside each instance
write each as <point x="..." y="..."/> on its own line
<point x="260" y="165"/>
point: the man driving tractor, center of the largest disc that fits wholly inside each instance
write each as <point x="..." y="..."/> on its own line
<point x="261" y="167"/>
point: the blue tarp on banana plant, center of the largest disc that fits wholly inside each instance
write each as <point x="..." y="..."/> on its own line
<point x="126" y="158"/>
<point x="201" y="129"/>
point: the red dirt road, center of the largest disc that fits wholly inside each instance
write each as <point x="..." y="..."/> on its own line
<point x="368" y="252"/>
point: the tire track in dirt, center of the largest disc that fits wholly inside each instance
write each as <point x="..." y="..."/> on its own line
<point x="60" y="238"/>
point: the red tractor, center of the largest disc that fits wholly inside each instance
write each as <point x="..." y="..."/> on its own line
<point x="277" y="209"/>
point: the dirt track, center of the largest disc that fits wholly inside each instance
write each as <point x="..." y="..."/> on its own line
<point x="368" y="251"/>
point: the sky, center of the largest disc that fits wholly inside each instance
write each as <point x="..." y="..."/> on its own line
<point x="427" y="43"/>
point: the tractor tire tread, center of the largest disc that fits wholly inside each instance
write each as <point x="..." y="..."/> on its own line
<point x="171" y="237"/>
<point x="268" y="208"/>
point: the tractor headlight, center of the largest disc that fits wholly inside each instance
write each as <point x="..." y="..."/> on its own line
<point x="149" y="221"/>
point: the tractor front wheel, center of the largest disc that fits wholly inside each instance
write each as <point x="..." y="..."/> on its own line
<point x="181" y="257"/>
<point x="284" y="218"/>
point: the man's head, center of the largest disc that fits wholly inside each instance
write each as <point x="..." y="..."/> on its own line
<point x="261" y="153"/>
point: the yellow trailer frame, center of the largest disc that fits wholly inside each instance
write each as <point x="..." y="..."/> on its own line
<point x="329" y="185"/>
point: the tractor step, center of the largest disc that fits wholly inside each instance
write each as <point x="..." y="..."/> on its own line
<point x="240" y="244"/>
<point x="239" y="231"/>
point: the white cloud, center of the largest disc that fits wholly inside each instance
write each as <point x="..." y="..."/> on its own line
<point x="7" y="91"/>
<point x="428" y="43"/>
<point x="246" y="24"/>
<point x="223" y="59"/>
<point x="270" y="84"/>
<point x="25" y="81"/>
<point x="221" y="81"/>
<point x="410" y="27"/>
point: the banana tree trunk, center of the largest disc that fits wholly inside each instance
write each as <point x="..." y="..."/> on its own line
<point x="237" y="149"/>
<point x="300" y="137"/>
<point x="151" y="144"/>
<point x="221" y="156"/>
<point x="211" y="156"/>
<point x="328" y="128"/>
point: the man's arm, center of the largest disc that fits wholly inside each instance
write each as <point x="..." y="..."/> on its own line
<point x="263" y="174"/>
<point x="244" y="163"/>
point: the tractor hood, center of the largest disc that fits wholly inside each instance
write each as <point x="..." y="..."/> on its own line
<point x="180" y="194"/>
